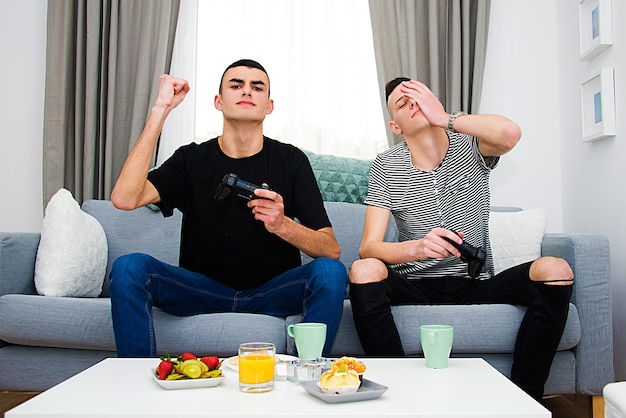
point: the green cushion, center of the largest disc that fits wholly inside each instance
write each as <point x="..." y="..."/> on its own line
<point x="340" y="179"/>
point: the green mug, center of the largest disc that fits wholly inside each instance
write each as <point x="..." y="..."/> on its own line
<point x="437" y="344"/>
<point x="309" y="338"/>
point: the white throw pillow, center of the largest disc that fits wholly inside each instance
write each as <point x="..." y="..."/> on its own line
<point x="516" y="237"/>
<point x="72" y="254"/>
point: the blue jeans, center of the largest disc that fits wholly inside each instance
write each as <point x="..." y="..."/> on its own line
<point x="139" y="282"/>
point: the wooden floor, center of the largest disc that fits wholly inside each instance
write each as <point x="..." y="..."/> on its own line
<point x="10" y="400"/>
<point x="576" y="406"/>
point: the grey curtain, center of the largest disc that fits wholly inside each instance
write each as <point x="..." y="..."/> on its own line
<point x="439" y="42"/>
<point x="103" y="61"/>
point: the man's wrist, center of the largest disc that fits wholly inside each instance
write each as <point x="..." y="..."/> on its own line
<point x="159" y="112"/>
<point x="452" y="119"/>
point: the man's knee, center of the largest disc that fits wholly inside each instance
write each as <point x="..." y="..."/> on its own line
<point x="333" y="271"/>
<point x="367" y="270"/>
<point x="552" y="271"/>
<point x="127" y="266"/>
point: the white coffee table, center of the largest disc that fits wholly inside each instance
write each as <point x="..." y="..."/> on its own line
<point x="124" y="388"/>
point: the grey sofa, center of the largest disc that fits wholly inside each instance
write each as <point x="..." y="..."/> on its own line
<point x="45" y="340"/>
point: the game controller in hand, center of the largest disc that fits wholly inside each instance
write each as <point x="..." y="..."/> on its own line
<point x="473" y="256"/>
<point x="231" y="182"/>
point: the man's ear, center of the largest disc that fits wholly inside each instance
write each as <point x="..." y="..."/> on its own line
<point x="217" y="102"/>
<point x="395" y="128"/>
<point x="270" y="107"/>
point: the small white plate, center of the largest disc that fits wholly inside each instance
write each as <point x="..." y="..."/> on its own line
<point x="233" y="362"/>
<point x="207" y="382"/>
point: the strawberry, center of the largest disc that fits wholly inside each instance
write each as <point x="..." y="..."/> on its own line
<point x="213" y="362"/>
<point x="164" y="369"/>
<point x="188" y="356"/>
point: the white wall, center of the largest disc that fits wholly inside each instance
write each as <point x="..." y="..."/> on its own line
<point x="594" y="195"/>
<point x="521" y="82"/>
<point x="533" y="75"/>
<point x="22" y="48"/>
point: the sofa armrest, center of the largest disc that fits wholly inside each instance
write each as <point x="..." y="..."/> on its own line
<point x="589" y="257"/>
<point x="18" y="252"/>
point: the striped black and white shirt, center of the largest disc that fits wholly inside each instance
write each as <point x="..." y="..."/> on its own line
<point x="454" y="195"/>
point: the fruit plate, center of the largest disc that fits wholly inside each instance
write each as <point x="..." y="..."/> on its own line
<point x="207" y="382"/>
<point x="368" y="390"/>
<point x="233" y="362"/>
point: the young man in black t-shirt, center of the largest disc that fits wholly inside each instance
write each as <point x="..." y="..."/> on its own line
<point x="236" y="255"/>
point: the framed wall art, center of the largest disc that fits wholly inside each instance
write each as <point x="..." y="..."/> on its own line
<point x="596" y="27"/>
<point x="598" y="105"/>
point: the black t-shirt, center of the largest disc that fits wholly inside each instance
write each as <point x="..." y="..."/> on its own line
<point x="221" y="239"/>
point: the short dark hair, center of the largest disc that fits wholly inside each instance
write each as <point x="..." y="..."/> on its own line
<point x="243" y="63"/>
<point x="390" y="86"/>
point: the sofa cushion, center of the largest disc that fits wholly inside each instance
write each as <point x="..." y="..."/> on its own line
<point x="481" y="329"/>
<point x="347" y="220"/>
<point x="57" y="322"/>
<point x="486" y="328"/>
<point x="35" y="320"/>
<point x="216" y="334"/>
<point x="18" y="252"/>
<point x="516" y="237"/>
<point x="72" y="254"/>
<point x="340" y="179"/>
<point x="140" y="230"/>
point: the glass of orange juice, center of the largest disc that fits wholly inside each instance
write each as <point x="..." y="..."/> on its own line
<point x="256" y="367"/>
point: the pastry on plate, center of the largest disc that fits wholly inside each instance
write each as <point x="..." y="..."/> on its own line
<point x="352" y="363"/>
<point x="343" y="377"/>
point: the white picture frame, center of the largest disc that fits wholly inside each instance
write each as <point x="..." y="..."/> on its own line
<point x="596" y="27"/>
<point x="598" y="105"/>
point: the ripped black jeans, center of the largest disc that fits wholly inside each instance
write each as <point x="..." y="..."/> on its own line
<point x="538" y="336"/>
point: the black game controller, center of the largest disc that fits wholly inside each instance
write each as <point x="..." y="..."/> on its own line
<point x="473" y="256"/>
<point x="231" y="182"/>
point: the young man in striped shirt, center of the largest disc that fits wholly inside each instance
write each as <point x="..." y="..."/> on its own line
<point x="435" y="182"/>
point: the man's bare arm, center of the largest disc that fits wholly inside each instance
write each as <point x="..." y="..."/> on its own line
<point x="314" y="243"/>
<point x="271" y="211"/>
<point x="497" y="134"/>
<point x="433" y="245"/>
<point x="132" y="188"/>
